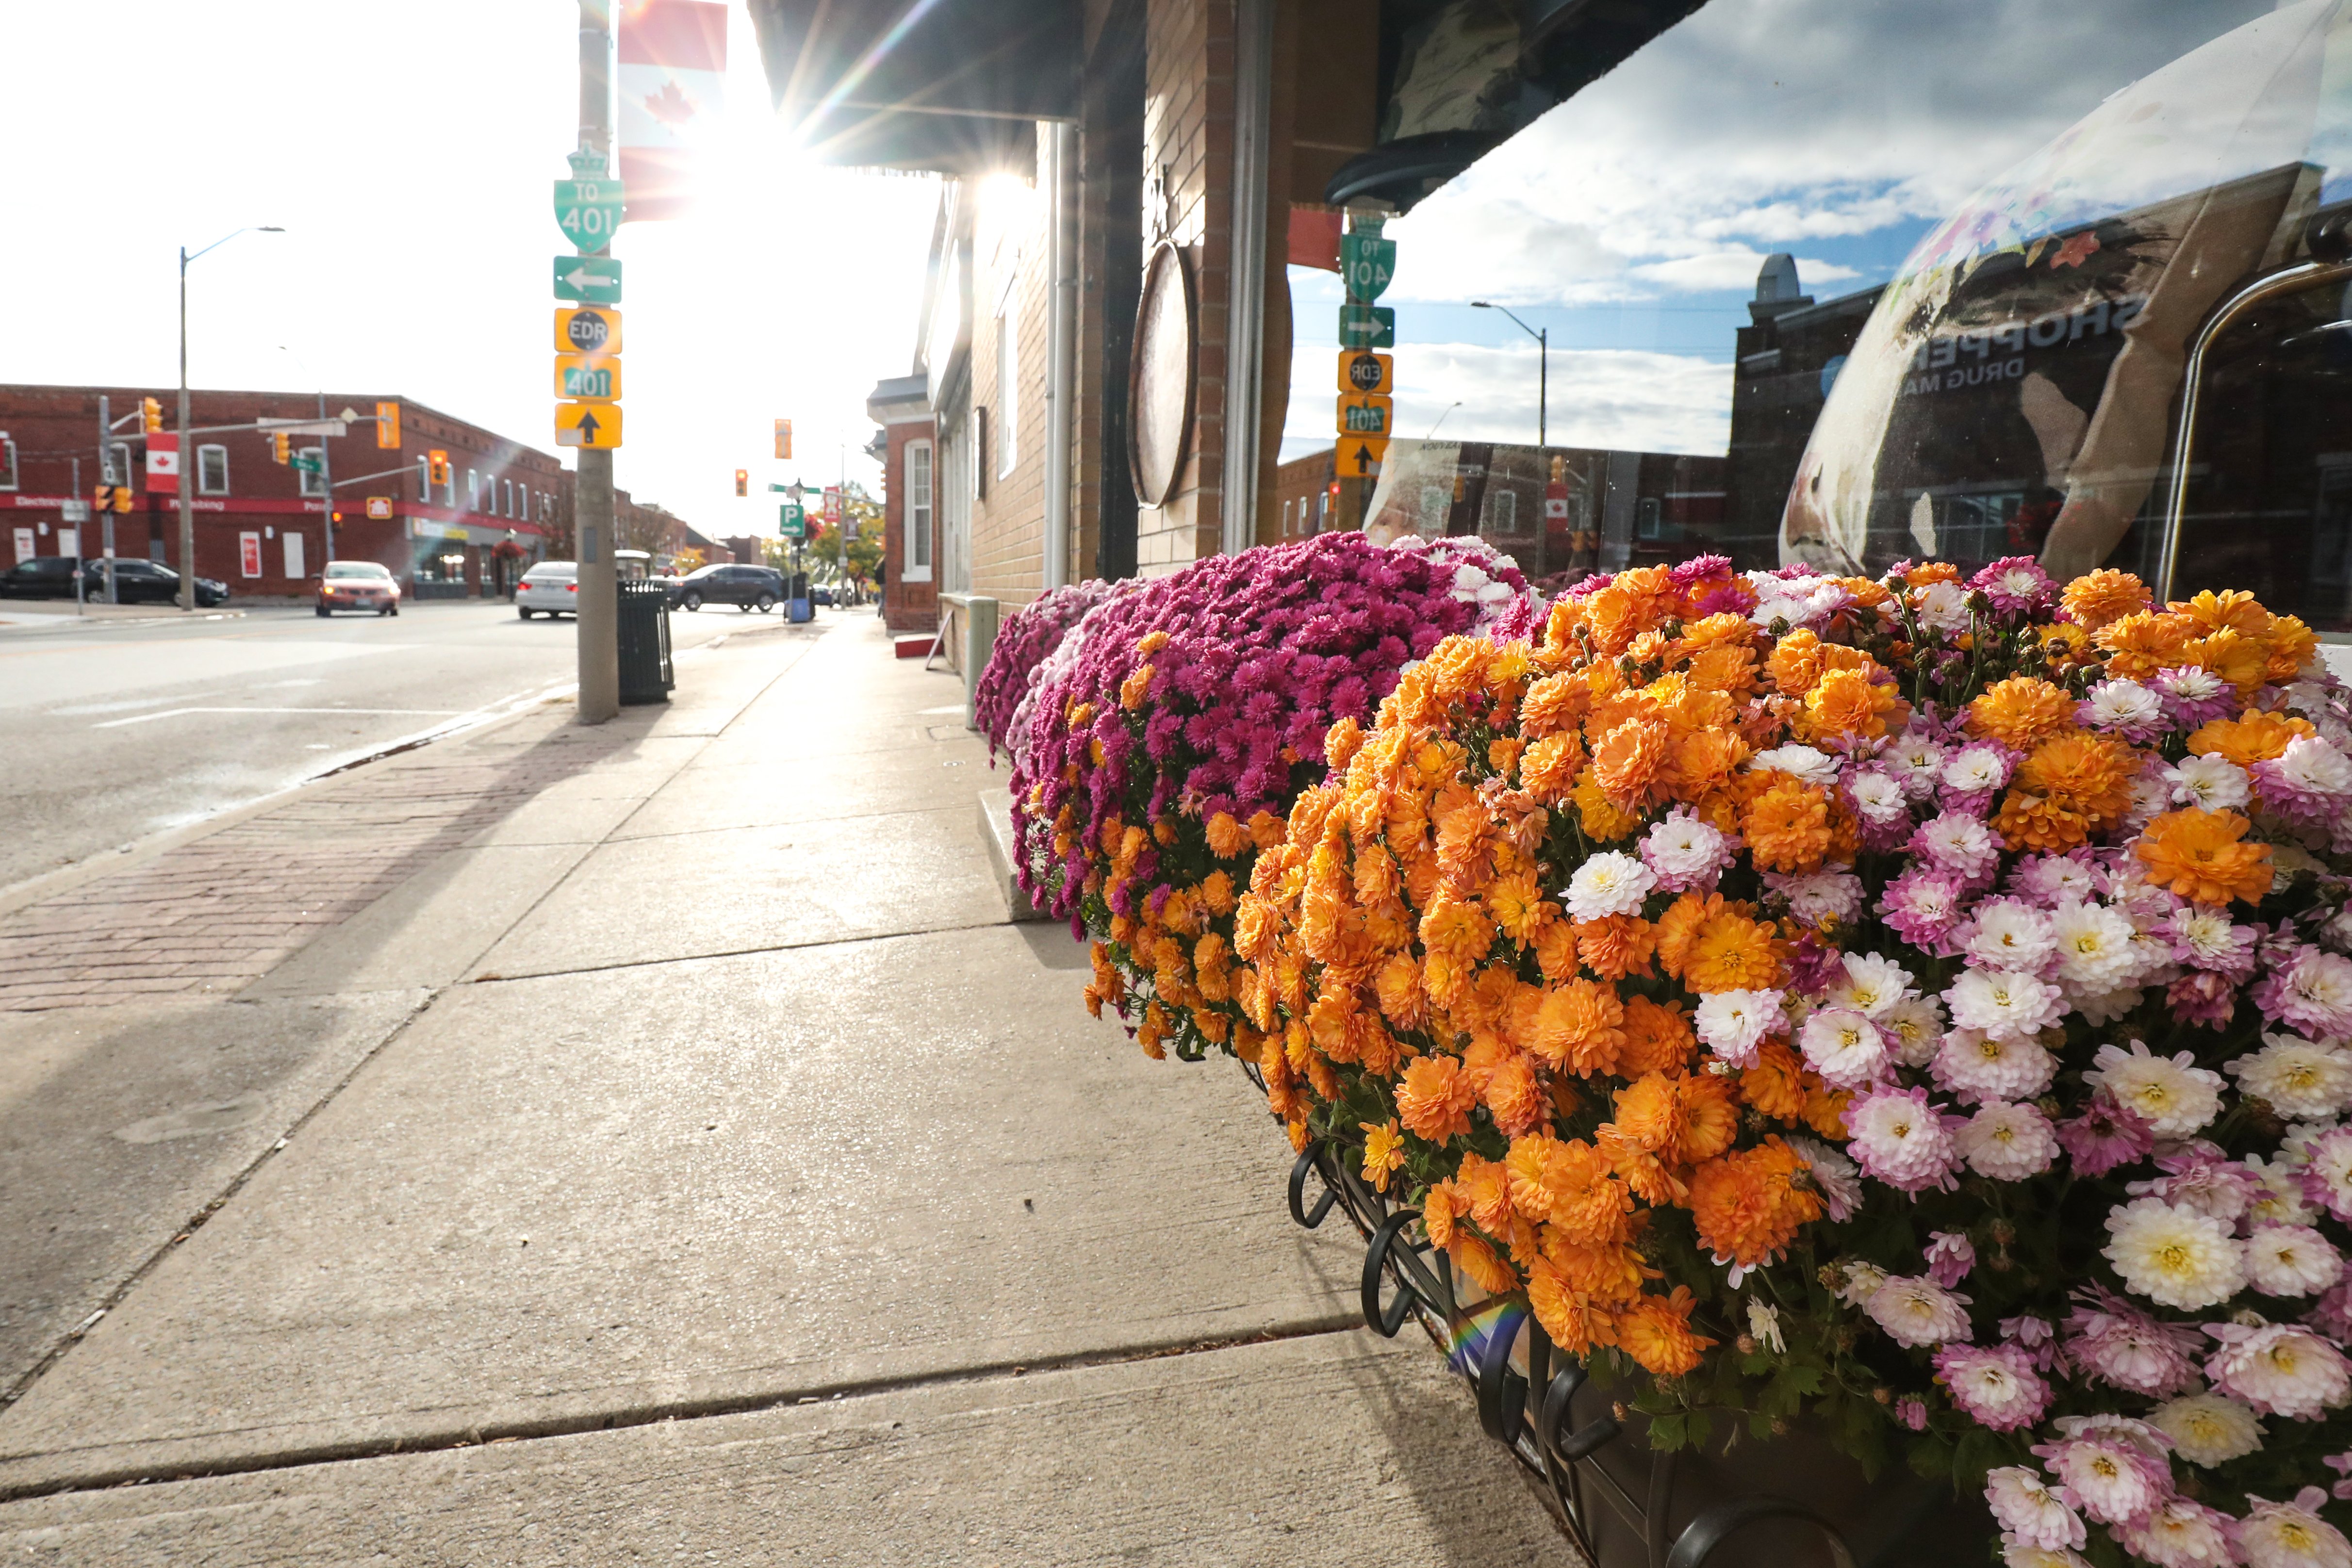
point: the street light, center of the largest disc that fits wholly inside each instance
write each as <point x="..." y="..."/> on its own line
<point x="187" y="453"/>
<point x="1543" y="369"/>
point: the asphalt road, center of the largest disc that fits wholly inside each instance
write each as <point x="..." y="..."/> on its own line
<point x="110" y="732"/>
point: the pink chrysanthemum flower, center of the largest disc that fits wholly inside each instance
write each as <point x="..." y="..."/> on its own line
<point x="2110" y="1340"/>
<point x="2104" y="1137"/>
<point x="1922" y="906"/>
<point x="2029" y="1508"/>
<point x="1995" y="1386"/>
<point x="2290" y="1534"/>
<point x="1919" y="1311"/>
<point x="2008" y="1143"/>
<point x="1902" y="1139"/>
<point x="2280" y="1369"/>
<point x="2113" y="1469"/>
<point x="2181" y="1534"/>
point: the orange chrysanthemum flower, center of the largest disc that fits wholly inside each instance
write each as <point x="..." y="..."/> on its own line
<point x="1548" y="769"/>
<point x="2032" y="822"/>
<point x="1711" y="945"/>
<point x="1580" y="1026"/>
<point x="1658" y="1039"/>
<point x="2103" y="596"/>
<point x="2244" y="662"/>
<point x="1847" y="703"/>
<point x="1457" y="930"/>
<point x="1435" y="1099"/>
<point x="1132" y="689"/>
<point x="1341" y="742"/>
<point x="1616" y="945"/>
<point x="1928" y="572"/>
<point x="1514" y="1098"/>
<point x="1788" y="826"/>
<point x="2198" y="855"/>
<point x="1383" y="1152"/>
<point x="2022" y="713"/>
<point x="1744" y="1204"/>
<point x="2091" y="773"/>
<point x="1482" y="1189"/>
<point x="1603" y="823"/>
<point x="2144" y="641"/>
<point x="1226" y="837"/>
<point x="1629" y="759"/>
<point x="1655" y="1331"/>
<point x="1776" y="1085"/>
<point x="2255" y="737"/>
<point x="2232" y="610"/>
<point x="1573" y="1320"/>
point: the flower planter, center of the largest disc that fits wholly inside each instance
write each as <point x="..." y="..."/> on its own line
<point x="1792" y="1502"/>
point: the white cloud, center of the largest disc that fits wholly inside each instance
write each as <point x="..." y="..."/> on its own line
<point x="1733" y="269"/>
<point x="1618" y="399"/>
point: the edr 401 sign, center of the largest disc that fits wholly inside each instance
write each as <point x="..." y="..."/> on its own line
<point x="588" y="212"/>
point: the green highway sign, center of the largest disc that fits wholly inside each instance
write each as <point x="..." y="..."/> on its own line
<point x="1367" y="326"/>
<point x="1368" y="263"/>
<point x="588" y="212"/>
<point x="792" y="521"/>
<point x="305" y="460"/>
<point x="590" y="279"/>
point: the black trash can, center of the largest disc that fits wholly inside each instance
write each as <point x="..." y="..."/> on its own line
<point x="643" y="636"/>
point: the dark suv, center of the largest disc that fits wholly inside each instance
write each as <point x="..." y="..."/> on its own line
<point x="759" y="587"/>
<point x="41" y="577"/>
<point x="140" y="581"/>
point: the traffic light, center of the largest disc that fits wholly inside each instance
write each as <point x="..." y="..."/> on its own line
<point x="281" y="447"/>
<point x="387" y="426"/>
<point x="742" y="481"/>
<point x="103" y="501"/>
<point x="437" y="468"/>
<point x="122" y="497"/>
<point x="150" y="415"/>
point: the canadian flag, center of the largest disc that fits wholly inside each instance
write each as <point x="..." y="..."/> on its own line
<point x="671" y="76"/>
<point x="163" y="461"/>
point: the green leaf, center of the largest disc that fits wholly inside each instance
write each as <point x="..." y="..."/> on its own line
<point x="1667" y="1434"/>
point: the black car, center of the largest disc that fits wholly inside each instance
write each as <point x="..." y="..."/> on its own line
<point x="42" y="577"/>
<point x="140" y="581"/>
<point x="759" y="587"/>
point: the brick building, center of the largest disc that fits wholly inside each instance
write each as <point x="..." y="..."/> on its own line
<point x="909" y="454"/>
<point x="1305" y="494"/>
<point x="262" y="527"/>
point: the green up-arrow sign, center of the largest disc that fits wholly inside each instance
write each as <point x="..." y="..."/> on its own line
<point x="792" y="521"/>
<point x="590" y="279"/>
<point x="1368" y="263"/>
<point x="588" y="212"/>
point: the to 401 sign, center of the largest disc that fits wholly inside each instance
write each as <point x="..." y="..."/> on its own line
<point x="588" y="212"/>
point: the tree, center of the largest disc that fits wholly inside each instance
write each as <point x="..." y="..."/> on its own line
<point x="685" y="561"/>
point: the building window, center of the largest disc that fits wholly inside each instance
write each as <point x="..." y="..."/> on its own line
<point x="473" y="491"/>
<point x="1008" y="384"/>
<point x="211" y="470"/>
<point x="1502" y="511"/>
<point x="425" y="479"/>
<point x="312" y="484"/>
<point x="918" y="554"/>
<point x="505" y="494"/>
<point x="8" y="465"/>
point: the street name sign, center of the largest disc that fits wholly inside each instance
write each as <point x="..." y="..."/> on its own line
<point x="792" y="521"/>
<point x="590" y="279"/>
<point x="1368" y="263"/>
<point x="589" y="378"/>
<point x="589" y="331"/>
<point x="1365" y="414"/>
<point x="305" y="460"/>
<point x="300" y="426"/>
<point x="1359" y="456"/>
<point x="588" y="212"/>
<point x="1361" y="370"/>
<point x="592" y="424"/>
<point x="1367" y="326"/>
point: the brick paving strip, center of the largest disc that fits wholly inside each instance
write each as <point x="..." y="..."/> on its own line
<point x="212" y="915"/>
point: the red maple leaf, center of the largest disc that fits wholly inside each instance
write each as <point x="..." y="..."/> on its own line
<point x="670" y="105"/>
<point x="2075" y="250"/>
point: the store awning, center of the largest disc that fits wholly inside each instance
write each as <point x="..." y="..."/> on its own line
<point x="952" y="87"/>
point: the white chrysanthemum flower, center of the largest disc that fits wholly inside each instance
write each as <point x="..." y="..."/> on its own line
<point x="1872" y="984"/>
<point x="1609" y="884"/>
<point x="2290" y="1260"/>
<point x="2008" y="1143"/>
<point x="2094" y="946"/>
<point x="2291" y="1534"/>
<point x="2280" y="1198"/>
<point x="1845" y="1047"/>
<point x="2298" y="1077"/>
<point x="2105" y="1006"/>
<point x="2151" y="798"/>
<point x="1801" y="762"/>
<point x="2176" y="1256"/>
<point x="2209" y="1429"/>
<point x="1976" y="770"/>
<point x="2152" y="960"/>
<point x="1837" y="1178"/>
<point x="1681" y="848"/>
<point x="1978" y="1066"/>
<point x="1859" y="1282"/>
<point x="1879" y="796"/>
<point x="2207" y="934"/>
<point x="2004" y="1004"/>
<point x="1734" y="1023"/>
<point x="2280" y="1369"/>
<point x="1943" y="607"/>
<point x="1764" y="1325"/>
<point x="2215" y="783"/>
<point x="2174" y="1095"/>
<point x="1917" y="1311"/>
<point x="1916" y="1027"/>
<point x="2315" y="767"/>
<point x="1955" y="839"/>
<point x="2031" y="1511"/>
<point x="2016" y="1553"/>
<point x="2009" y="934"/>
<point x="1918" y="761"/>
<point x="1821" y="895"/>
<point x="2120" y="703"/>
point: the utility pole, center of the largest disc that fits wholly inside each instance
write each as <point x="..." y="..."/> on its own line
<point x="106" y="472"/>
<point x="326" y="484"/>
<point x="187" y="458"/>
<point x="597" y="620"/>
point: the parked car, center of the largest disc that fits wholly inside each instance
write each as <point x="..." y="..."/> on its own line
<point x="550" y="588"/>
<point x="759" y="587"/>
<point x="358" y="585"/>
<point x="138" y="581"/>
<point x="42" y="577"/>
<point x="821" y="595"/>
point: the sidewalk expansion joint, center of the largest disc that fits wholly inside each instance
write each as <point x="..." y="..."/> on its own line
<point x="739" y="952"/>
<point x="480" y="1434"/>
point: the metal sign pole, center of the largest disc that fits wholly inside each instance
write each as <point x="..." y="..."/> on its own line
<point x="598" y="617"/>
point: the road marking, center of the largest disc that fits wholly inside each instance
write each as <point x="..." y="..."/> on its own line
<point x="177" y="712"/>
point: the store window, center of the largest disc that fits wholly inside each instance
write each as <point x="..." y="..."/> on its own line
<point x="473" y="491"/>
<point x="312" y="484"/>
<point x="916" y="555"/>
<point x="211" y="470"/>
<point x="8" y="465"/>
<point x="1008" y="378"/>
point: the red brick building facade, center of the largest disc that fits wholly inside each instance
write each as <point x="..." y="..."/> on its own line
<point x="910" y="494"/>
<point x="263" y="529"/>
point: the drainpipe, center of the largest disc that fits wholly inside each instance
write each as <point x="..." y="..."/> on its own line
<point x="1061" y="345"/>
<point x="1245" y="309"/>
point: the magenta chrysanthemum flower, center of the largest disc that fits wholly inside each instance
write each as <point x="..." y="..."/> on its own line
<point x="1950" y="1255"/>
<point x="2017" y="586"/>
<point x="2109" y="1339"/>
<point x="2104" y="1137"/>
<point x="2195" y="696"/>
<point x="1995" y="1386"/>
<point x="1021" y="645"/>
<point x="2312" y="990"/>
<point x="1922" y="906"/>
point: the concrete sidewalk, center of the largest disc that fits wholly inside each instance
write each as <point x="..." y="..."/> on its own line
<point x="684" y="1156"/>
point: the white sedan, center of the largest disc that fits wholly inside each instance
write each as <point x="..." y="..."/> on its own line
<point x="551" y="587"/>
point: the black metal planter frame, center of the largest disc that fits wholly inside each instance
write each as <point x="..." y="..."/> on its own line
<point x="1532" y="1416"/>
